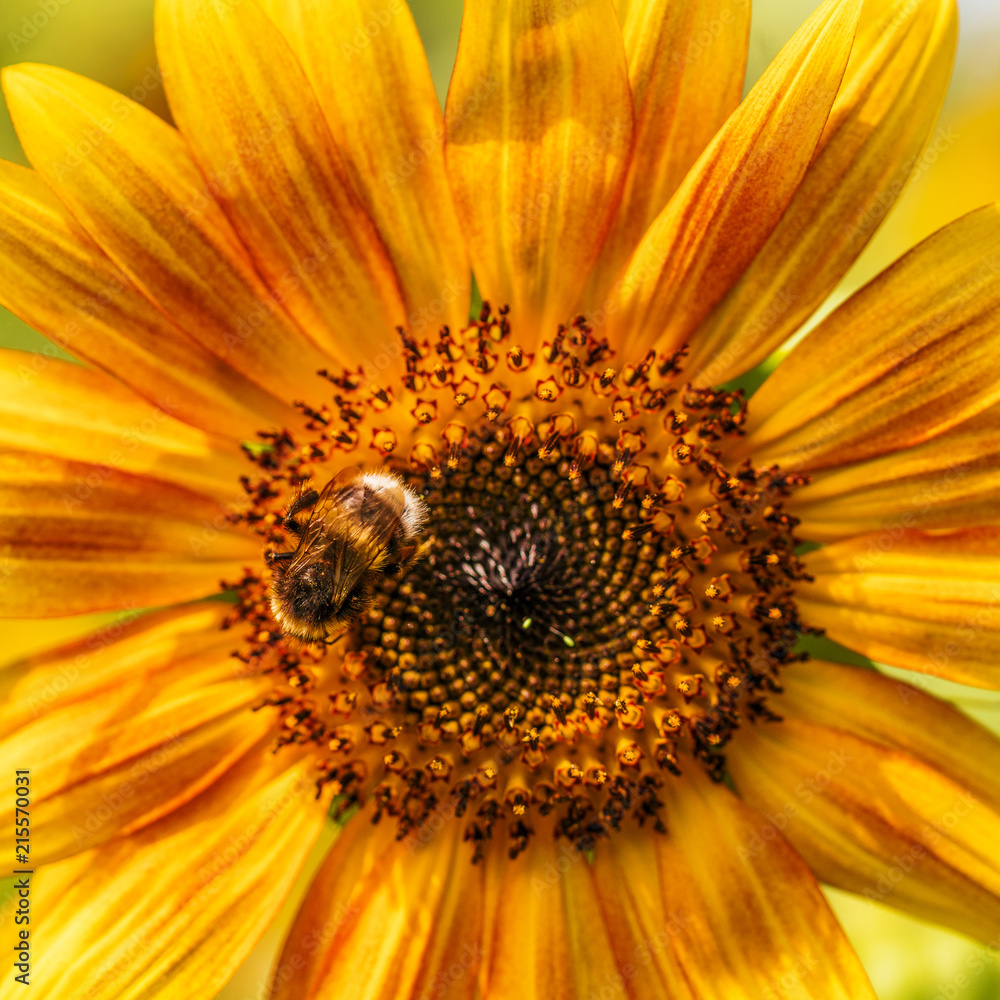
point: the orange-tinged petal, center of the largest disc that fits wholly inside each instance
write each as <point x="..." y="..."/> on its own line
<point x="727" y="923"/>
<point x="348" y="876"/>
<point x="735" y="194"/>
<point x="23" y="637"/>
<point x="56" y="278"/>
<point x="641" y="921"/>
<point x="53" y="407"/>
<point x="873" y="820"/>
<point x="129" y="180"/>
<point x="386" y="918"/>
<point x="76" y="537"/>
<point x="45" y="892"/>
<point x="367" y="65"/>
<point x="910" y="355"/>
<point x="173" y="910"/>
<point x="119" y="757"/>
<point x="538" y="131"/>
<point x="672" y="50"/>
<point x="179" y="642"/>
<point x="924" y="601"/>
<point x="949" y="481"/>
<point x="894" y="714"/>
<point x="270" y="160"/>
<point x="545" y="934"/>
<point x="891" y="94"/>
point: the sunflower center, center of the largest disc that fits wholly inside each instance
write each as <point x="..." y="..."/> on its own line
<point x="528" y="593"/>
<point x="597" y="600"/>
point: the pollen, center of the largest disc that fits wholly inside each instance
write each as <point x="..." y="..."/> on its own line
<point x="554" y="645"/>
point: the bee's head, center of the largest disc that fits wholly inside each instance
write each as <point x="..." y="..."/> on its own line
<point x="308" y="605"/>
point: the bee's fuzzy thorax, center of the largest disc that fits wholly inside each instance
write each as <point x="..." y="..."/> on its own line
<point x="414" y="514"/>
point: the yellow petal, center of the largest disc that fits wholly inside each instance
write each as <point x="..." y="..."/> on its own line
<point x="107" y="658"/>
<point x="58" y="280"/>
<point x="366" y="63"/>
<point x="173" y="910"/>
<point x="725" y="922"/>
<point x="119" y="756"/>
<point x="538" y="130"/>
<point x="129" y="180"/>
<point x="895" y="81"/>
<point x="672" y="49"/>
<point x="386" y="918"/>
<point x="886" y="711"/>
<point x="76" y="537"/>
<point x="950" y="481"/>
<point x="910" y="355"/>
<point x="735" y="194"/>
<point x="545" y="933"/>
<point x="642" y="922"/>
<point x="927" y="602"/>
<point x="873" y="820"/>
<point x="52" y="407"/>
<point x="271" y="162"/>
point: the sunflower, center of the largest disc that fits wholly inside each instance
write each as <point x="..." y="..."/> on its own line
<point x="574" y="743"/>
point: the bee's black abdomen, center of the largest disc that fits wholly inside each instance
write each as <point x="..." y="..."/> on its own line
<point x="306" y="599"/>
<point x="306" y="594"/>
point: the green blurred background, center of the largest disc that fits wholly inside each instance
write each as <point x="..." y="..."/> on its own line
<point x="112" y="41"/>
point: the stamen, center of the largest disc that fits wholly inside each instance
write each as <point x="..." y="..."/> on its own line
<point x="570" y="633"/>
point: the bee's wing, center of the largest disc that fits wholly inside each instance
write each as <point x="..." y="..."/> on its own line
<point x="383" y="516"/>
<point x="348" y="531"/>
<point x="363" y="542"/>
<point x="380" y="511"/>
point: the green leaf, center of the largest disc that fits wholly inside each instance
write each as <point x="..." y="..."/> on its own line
<point x="826" y="649"/>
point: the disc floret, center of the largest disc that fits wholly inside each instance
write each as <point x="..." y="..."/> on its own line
<point x="602" y="599"/>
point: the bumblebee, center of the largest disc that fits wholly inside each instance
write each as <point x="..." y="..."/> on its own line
<point x="362" y="524"/>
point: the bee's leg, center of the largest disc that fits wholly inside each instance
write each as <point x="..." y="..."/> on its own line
<point x="405" y="557"/>
<point x="393" y="557"/>
<point x="300" y="504"/>
<point x="417" y="552"/>
<point x="276" y="557"/>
